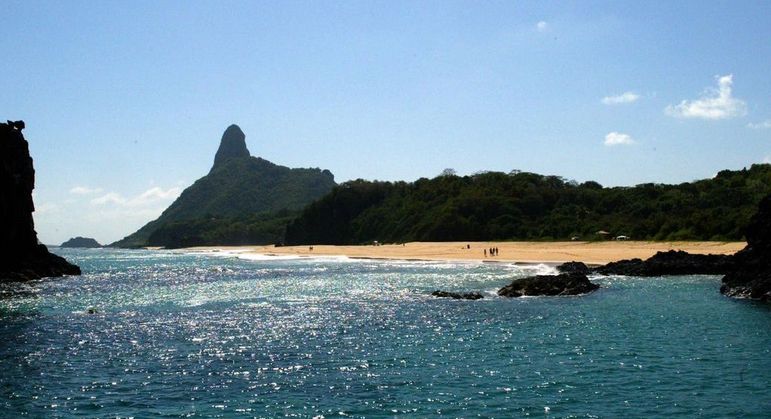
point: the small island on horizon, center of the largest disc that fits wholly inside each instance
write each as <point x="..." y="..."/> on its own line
<point x="81" y="242"/>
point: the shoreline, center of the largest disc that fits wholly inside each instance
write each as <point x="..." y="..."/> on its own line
<point x="591" y="253"/>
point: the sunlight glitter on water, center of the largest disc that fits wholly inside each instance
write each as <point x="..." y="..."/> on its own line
<point x="177" y="334"/>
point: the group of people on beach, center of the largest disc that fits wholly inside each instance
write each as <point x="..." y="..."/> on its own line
<point x="493" y="251"/>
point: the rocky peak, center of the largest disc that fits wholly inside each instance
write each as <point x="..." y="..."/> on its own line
<point x="232" y="145"/>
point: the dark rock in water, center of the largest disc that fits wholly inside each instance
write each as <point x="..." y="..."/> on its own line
<point x="750" y="276"/>
<point x="562" y="284"/>
<point x="232" y="146"/>
<point x="574" y="267"/>
<point x="673" y="262"/>
<point x="457" y="295"/>
<point x="21" y="257"/>
<point x="84" y="242"/>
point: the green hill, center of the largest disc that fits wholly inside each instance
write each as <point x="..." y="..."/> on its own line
<point x="528" y="206"/>
<point x="238" y="187"/>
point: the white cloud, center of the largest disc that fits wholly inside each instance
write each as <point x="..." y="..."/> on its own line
<point x="626" y="97"/>
<point x="618" y="138"/>
<point x="767" y="160"/>
<point x="714" y="103"/>
<point x="159" y="193"/>
<point x="109" y="198"/>
<point x="148" y="197"/>
<point x="84" y="190"/>
<point x="760" y="125"/>
<point x="47" y="208"/>
<point x="542" y="26"/>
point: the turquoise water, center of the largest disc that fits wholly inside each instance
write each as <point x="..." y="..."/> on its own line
<point x="199" y="335"/>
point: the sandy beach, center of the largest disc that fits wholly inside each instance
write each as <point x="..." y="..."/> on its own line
<point x="523" y="252"/>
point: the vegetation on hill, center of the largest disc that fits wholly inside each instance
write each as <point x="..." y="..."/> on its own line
<point x="261" y="228"/>
<point x="528" y="206"/>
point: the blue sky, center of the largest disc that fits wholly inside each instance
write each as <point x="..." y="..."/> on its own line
<point x="125" y="102"/>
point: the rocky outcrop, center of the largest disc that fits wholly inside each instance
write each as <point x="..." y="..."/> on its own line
<point x="750" y="276"/>
<point x="232" y="146"/>
<point x="574" y="267"/>
<point x="21" y="256"/>
<point x="458" y="295"/>
<point x="562" y="284"/>
<point x="82" y="242"/>
<point x="673" y="262"/>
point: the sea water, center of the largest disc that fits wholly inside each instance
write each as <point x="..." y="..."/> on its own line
<point x="212" y="335"/>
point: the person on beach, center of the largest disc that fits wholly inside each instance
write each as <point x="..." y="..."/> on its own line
<point x="485" y="252"/>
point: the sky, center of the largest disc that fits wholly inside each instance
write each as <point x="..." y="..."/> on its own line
<point x="125" y="102"/>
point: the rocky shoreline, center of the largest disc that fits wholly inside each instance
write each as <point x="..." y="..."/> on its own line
<point x="747" y="274"/>
<point x="750" y="275"/>
<point x="673" y="262"/>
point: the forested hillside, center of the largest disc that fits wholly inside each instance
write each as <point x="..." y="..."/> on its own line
<point x="528" y="206"/>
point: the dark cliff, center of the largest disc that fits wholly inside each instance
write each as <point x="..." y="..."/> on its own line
<point x="751" y="275"/>
<point x="21" y="256"/>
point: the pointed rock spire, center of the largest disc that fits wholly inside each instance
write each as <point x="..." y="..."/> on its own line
<point x="232" y="145"/>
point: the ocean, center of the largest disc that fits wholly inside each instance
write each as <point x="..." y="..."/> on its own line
<point x="169" y="334"/>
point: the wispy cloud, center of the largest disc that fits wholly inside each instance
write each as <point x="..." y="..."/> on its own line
<point x="148" y="197"/>
<point x="760" y="125"/>
<point x="617" y="138"/>
<point x="84" y="190"/>
<point x="542" y="26"/>
<point x="47" y="208"/>
<point x="714" y="103"/>
<point x="626" y="97"/>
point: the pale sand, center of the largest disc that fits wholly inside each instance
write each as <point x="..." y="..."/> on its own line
<point x="523" y="252"/>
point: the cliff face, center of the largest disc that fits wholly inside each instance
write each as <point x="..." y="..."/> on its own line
<point x="751" y="277"/>
<point x="232" y="146"/>
<point x="21" y="257"/>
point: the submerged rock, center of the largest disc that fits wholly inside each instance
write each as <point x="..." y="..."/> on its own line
<point x="562" y="284"/>
<point x="673" y="262"/>
<point x="750" y="276"/>
<point x="21" y="256"/>
<point x="458" y="295"/>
